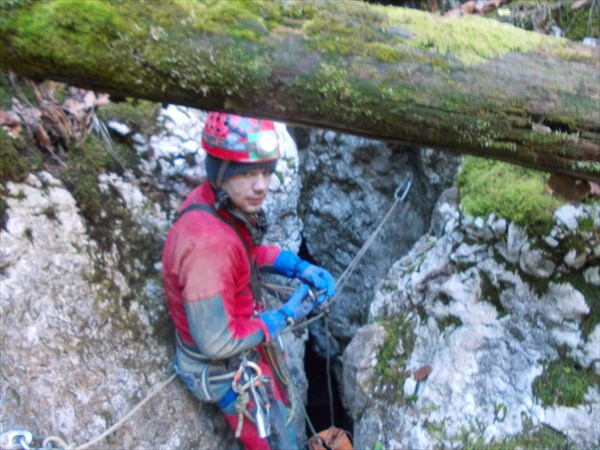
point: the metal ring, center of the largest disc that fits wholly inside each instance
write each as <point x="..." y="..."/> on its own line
<point x="16" y="440"/>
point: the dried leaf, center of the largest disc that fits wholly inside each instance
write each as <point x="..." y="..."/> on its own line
<point x="422" y="372"/>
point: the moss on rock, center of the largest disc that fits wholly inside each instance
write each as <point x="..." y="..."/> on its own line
<point x="565" y="383"/>
<point x="391" y="361"/>
<point x="510" y="191"/>
<point x="139" y="115"/>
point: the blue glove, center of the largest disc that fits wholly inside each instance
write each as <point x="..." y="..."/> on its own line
<point x="275" y="322"/>
<point x="318" y="278"/>
<point x="296" y="308"/>
<point x="292" y="266"/>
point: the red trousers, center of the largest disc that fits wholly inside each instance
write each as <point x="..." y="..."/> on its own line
<point x="249" y="435"/>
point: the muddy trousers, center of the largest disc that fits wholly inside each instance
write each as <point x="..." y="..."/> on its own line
<point x="281" y="438"/>
<point x="210" y="383"/>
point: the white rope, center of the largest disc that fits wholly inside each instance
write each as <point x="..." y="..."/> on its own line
<point x="117" y="425"/>
<point x="343" y="279"/>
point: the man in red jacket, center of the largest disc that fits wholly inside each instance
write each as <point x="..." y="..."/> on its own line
<point x="212" y="261"/>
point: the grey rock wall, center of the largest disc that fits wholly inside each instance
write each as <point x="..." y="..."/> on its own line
<point x="348" y="186"/>
<point x="487" y="329"/>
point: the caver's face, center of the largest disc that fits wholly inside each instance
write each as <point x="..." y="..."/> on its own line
<point x="248" y="190"/>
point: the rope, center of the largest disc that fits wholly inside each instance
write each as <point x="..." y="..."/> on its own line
<point x="399" y="197"/>
<point x="240" y="407"/>
<point x="116" y="426"/>
<point x="343" y="279"/>
<point x="329" y="387"/>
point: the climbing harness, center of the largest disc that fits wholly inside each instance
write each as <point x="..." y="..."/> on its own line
<point x="248" y="377"/>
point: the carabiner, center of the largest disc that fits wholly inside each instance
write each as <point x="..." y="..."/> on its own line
<point x="235" y="383"/>
<point x="313" y="295"/>
<point x="404" y="187"/>
<point x="261" y="413"/>
<point x="16" y="440"/>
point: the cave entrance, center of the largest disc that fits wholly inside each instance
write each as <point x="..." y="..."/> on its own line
<point x="321" y="406"/>
<point x="318" y="398"/>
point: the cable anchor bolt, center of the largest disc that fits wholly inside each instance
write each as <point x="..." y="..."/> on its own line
<point x="16" y="440"/>
<point x="404" y="187"/>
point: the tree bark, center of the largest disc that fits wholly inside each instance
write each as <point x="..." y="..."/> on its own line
<point x="467" y="85"/>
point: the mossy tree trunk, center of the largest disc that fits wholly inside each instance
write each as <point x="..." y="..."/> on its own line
<point x="466" y="85"/>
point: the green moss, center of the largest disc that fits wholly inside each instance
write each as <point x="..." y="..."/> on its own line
<point x="491" y="293"/>
<point x="532" y="437"/>
<point x="384" y="52"/>
<point x="297" y="11"/>
<point x="76" y="25"/>
<point x="564" y="383"/>
<point x="586" y="224"/>
<point x="449" y="321"/>
<point x="470" y="39"/>
<point x="5" y="92"/>
<point x="391" y="366"/>
<point x="140" y="115"/>
<point x="349" y="35"/>
<point x="17" y="158"/>
<point x="513" y="192"/>
<point x="245" y="19"/>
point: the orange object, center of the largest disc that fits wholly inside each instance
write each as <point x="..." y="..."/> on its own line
<point x="331" y="438"/>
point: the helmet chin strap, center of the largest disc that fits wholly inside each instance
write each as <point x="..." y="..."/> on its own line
<point x="222" y="200"/>
<point x="222" y="168"/>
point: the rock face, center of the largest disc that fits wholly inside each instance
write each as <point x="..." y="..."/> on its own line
<point x="348" y="186"/>
<point x="80" y="346"/>
<point x="490" y="333"/>
<point x="492" y="320"/>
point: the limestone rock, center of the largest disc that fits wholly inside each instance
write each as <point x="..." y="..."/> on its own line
<point x="484" y="329"/>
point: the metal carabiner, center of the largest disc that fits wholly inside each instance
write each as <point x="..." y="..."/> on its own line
<point x="16" y="440"/>
<point x="261" y="415"/>
<point x="314" y="294"/>
<point x="404" y="187"/>
<point x="235" y="383"/>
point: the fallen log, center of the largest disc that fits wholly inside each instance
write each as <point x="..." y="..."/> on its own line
<point x="467" y="84"/>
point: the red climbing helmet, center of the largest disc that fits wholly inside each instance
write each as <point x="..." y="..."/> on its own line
<point x="240" y="139"/>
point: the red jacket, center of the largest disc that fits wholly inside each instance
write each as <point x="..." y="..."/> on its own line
<point x="206" y="276"/>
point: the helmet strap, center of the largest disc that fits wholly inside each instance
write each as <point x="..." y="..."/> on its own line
<point x="222" y="200"/>
<point x="221" y="173"/>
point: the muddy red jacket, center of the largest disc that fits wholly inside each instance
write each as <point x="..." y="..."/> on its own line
<point x="206" y="276"/>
